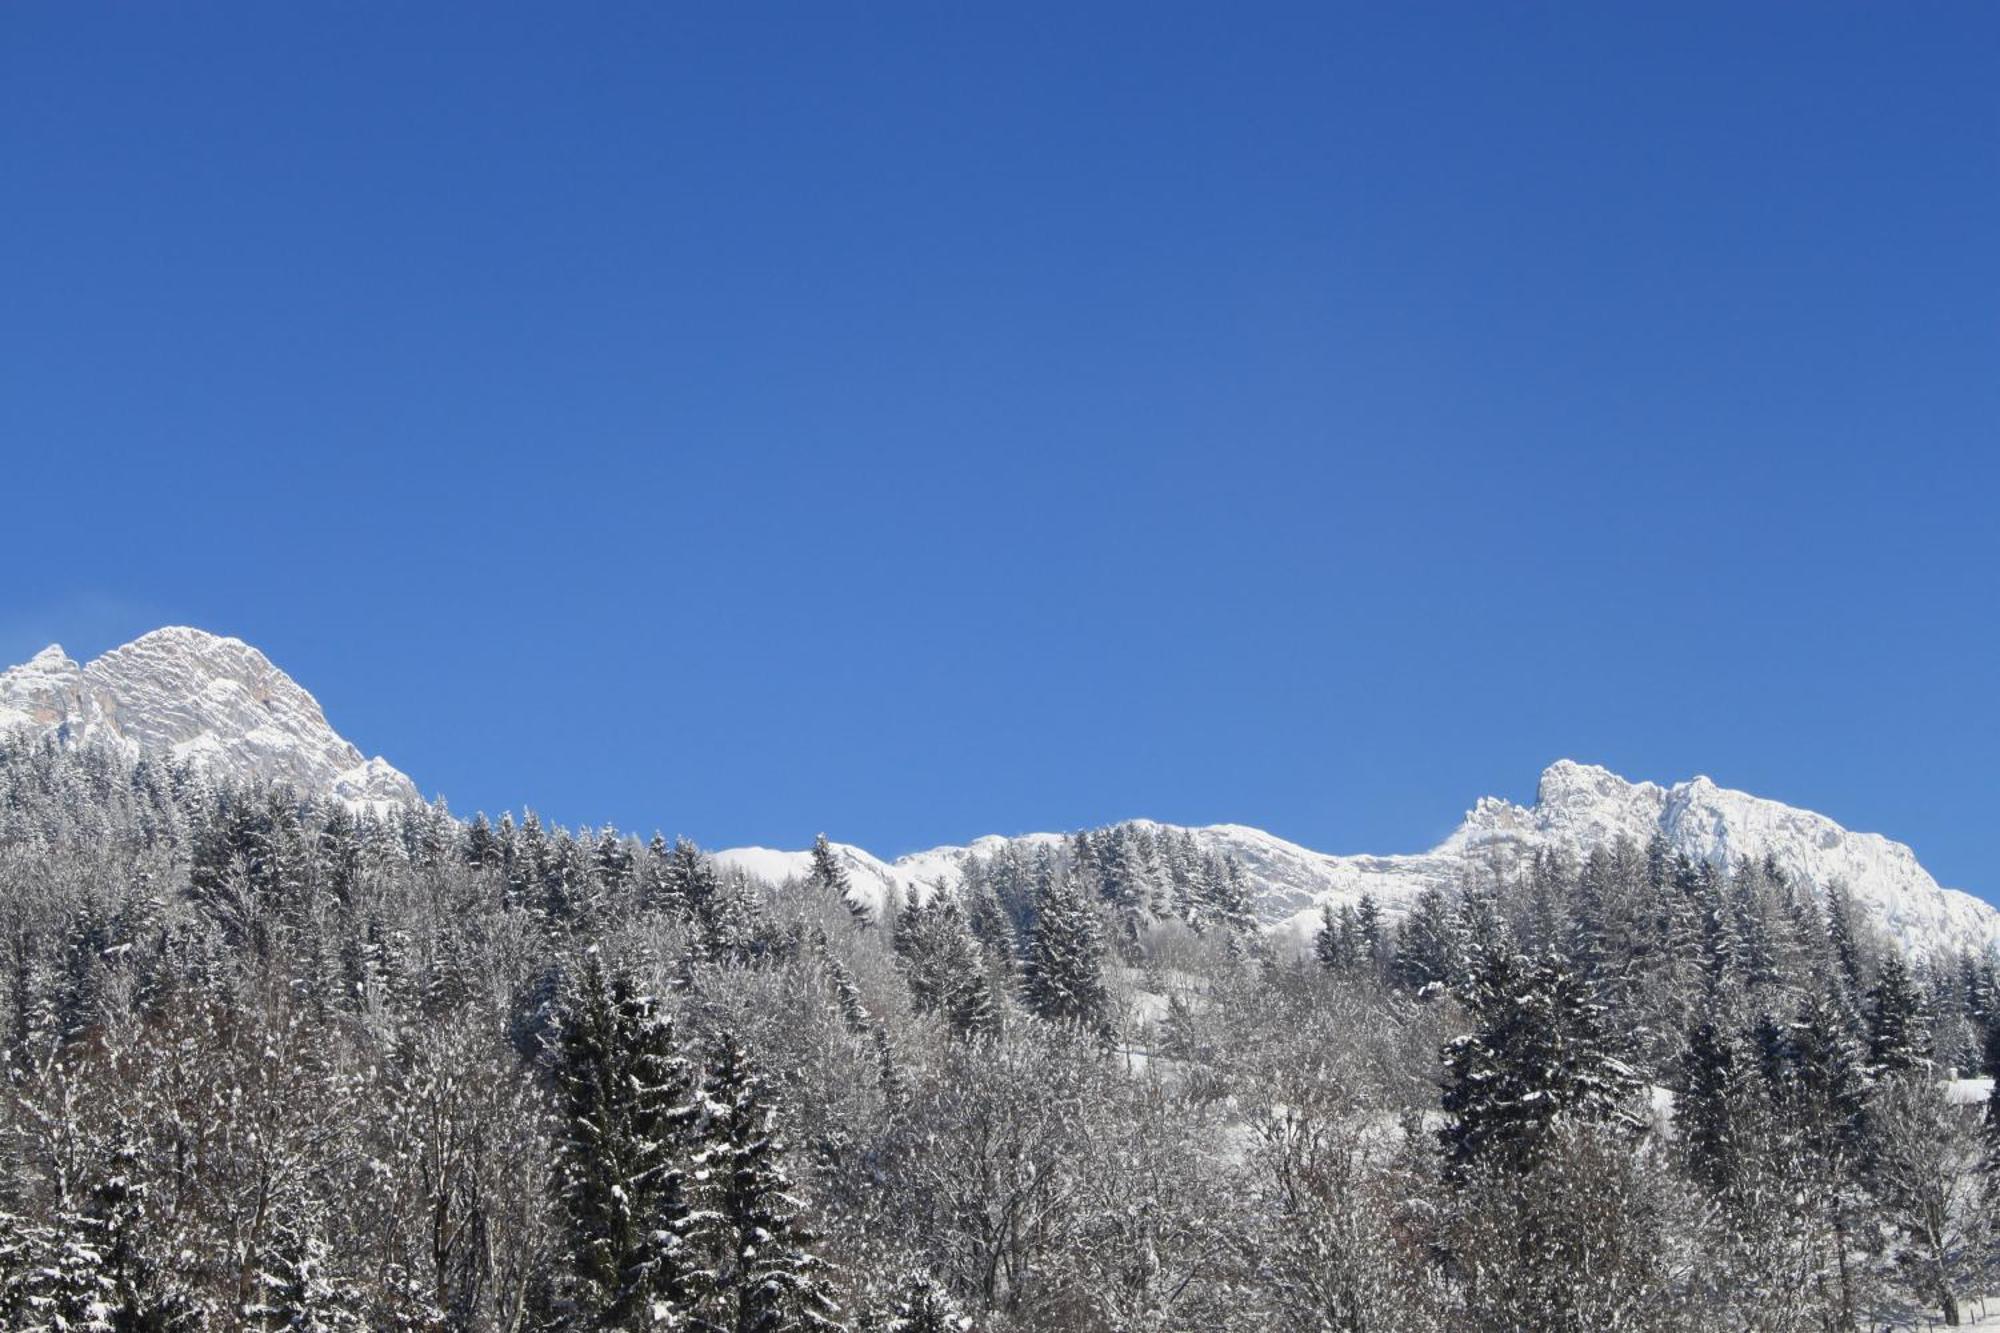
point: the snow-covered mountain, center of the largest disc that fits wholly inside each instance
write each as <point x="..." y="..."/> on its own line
<point x="189" y="695"/>
<point x="219" y="703"/>
<point x="1577" y="807"/>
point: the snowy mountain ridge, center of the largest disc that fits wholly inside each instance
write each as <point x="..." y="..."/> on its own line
<point x="221" y="704"/>
<point x="210" y="701"/>
<point x="1577" y="807"/>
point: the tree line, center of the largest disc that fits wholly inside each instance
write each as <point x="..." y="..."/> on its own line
<point x="273" y="1064"/>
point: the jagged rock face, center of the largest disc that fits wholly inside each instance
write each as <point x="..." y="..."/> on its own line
<point x="211" y="701"/>
<point x="1577" y="807"/>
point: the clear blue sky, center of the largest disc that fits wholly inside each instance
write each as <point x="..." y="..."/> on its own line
<point x="914" y="421"/>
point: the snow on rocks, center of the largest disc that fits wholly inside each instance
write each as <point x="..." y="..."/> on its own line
<point x="199" y="698"/>
<point x="1577" y="807"/>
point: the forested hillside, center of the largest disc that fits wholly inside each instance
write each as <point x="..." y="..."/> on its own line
<point x="273" y="1065"/>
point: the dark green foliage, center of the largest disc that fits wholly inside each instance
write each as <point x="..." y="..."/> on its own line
<point x="1539" y="1055"/>
<point x="1897" y="1024"/>
<point x="922" y="1306"/>
<point x="1062" y="971"/>
<point x="768" y="1279"/>
<point x="1709" y="1105"/>
<point x="629" y="1115"/>
<point x="1823" y="1075"/>
<point x="1428" y="945"/>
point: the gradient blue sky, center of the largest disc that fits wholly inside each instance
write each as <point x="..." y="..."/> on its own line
<point x="915" y="421"/>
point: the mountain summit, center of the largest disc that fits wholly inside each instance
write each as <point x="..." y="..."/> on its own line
<point x="201" y="698"/>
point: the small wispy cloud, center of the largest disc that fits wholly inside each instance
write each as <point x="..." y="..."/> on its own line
<point x="84" y="623"/>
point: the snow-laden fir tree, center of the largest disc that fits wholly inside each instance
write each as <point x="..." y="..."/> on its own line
<point x="1427" y="945"/>
<point x="1898" y="1027"/>
<point x="1709" y="1104"/>
<point x="943" y="965"/>
<point x="1333" y="943"/>
<point x="1539" y="1054"/>
<point x="767" y="1277"/>
<point x="830" y="877"/>
<point x="1062" y="967"/>
<point x="630" y="1110"/>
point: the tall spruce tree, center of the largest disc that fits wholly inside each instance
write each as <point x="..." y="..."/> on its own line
<point x="830" y="877"/>
<point x="1333" y="942"/>
<point x="922" y="1306"/>
<point x="1898" y="1027"/>
<point x="1708" y="1104"/>
<point x="767" y="1277"/>
<point x="1427" y="944"/>
<point x="629" y="1111"/>
<point x="1825" y="1073"/>
<point x="1539" y="1054"/>
<point x="1062" y="972"/>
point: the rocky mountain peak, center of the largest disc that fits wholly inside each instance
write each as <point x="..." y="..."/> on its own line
<point x="186" y="694"/>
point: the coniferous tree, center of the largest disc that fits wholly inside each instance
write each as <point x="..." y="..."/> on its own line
<point x="1708" y="1105"/>
<point x="829" y="876"/>
<point x="1225" y="896"/>
<point x="1122" y="882"/>
<point x="942" y="964"/>
<point x="1368" y="930"/>
<point x="1427" y="945"/>
<point x="768" y="1279"/>
<point x="1993" y="1099"/>
<point x="1841" y="940"/>
<point x="1825" y="1070"/>
<point x="628" y="1114"/>
<point x="295" y="1291"/>
<point x="1539" y="1054"/>
<point x="922" y="1306"/>
<point x="847" y="995"/>
<point x="1897" y="1026"/>
<point x="1333" y="941"/>
<point x="1062" y="972"/>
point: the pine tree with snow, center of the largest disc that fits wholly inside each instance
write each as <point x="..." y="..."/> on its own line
<point x="943" y="965"/>
<point x="686" y="883"/>
<point x="830" y="877"/>
<point x="767" y="1277"/>
<point x="1539" y="1054"/>
<point x="1708" y="1104"/>
<point x="1062" y="973"/>
<point x="24" y="1246"/>
<point x="612" y="860"/>
<point x="1118" y="879"/>
<point x="847" y="995"/>
<point x="1427" y="945"/>
<point x="295" y="1291"/>
<point x="1825" y="1073"/>
<point x="1225" y="897"/>
<point x="1842" y="942"/>
<point x="1332" y="943"/>
<point x="1993" y="1099"/>
<point x="629" y="1108"/>
<point x="1368" y="930"/>
<point x="1898" y="1026"/>
<point x="135" y="1290"/>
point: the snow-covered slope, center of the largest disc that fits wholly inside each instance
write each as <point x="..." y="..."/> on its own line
<point x="1577" y="807"/>
<point x="189" y="695"/>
